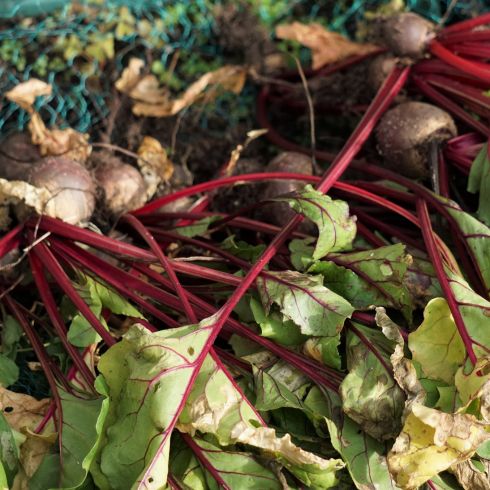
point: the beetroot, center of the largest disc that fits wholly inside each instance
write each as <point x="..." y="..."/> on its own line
<point x="407" y="34"/>
<point x="379" y="68"/>
<point x="122" y="184"/>
<point x="405" y="133"/>
<point x="17" y="156"/>
<point x="279" y="213"/>
<point x="71" y="185"/>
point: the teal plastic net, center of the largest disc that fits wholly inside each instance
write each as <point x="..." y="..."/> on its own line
<point x="78" y="46"/>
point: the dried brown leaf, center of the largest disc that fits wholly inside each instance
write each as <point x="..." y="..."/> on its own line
<point x="54" y="142"/>
<point x="228" y="78"/>
<point x="15" y="191"/>
<point x="142" y="88"/>
<point x="154" y="164"/>
<point x="32" y="452"/>
<point x="24" y="94"/>
<point x="51" y="142"/>
<point x="403" y="370"/>
<point x="21" y="410"/>
<point x="130" y="76"/>
<point x="326" y="46"/>
<point x="469" y="477"/>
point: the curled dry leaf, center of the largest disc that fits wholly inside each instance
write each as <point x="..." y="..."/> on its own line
<point x="432" y="441"/>
<point x="326" y="46"/>
<point x="51" y="142"/>
<point x="154" y="101"/>
<point x="154" y="164"/>
<point x="15" y="191"/>
<point x="140" y="87"/>
<point x="22" y="410"/>
<point x="469" y="477"/>
<point x="23" y="413"/>
<point x="24" y="94"/>
<point x="56" y="142"/>
<point x="130" y="76"/>
<point x="403" y="370"/>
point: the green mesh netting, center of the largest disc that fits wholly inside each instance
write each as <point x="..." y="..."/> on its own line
<point x="76" y="46"/>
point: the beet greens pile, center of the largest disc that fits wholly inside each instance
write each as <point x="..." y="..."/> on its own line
<point x="322" y="332"/>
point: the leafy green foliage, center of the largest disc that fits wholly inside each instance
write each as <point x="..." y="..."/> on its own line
<point x="336" y="228"/>
<point x="146" y="375"/>
<point x="9" y="454"/>
<point x="476" y="235"/>
<point x="98" y="296"/>
<point x="479" y="181"/>
<point x="370" y="394"/>
<point x="306" y="301"/>
<point x="372" y="277"/>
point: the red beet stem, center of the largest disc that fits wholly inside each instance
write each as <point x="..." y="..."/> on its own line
<point x="465" y="25"/>
<point x="43" y="358"/>
<point x="167" y="266"/>
<point x="198" y="452"/>
<point x="475" y="68"/>
<point x="436" y="260"/>
<point x="56" y="320"/>
<point x="466" y="92"/>
<point x="55" y="269"/>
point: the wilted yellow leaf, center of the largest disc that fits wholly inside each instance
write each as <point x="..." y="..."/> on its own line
<point x="154" y="164"/>
<point x="436" y="344"/>
<point x="326" y="46"/>
<point x="470" y="382"/>
<point x="432" y="441"/>
<point x="24" y="94"/>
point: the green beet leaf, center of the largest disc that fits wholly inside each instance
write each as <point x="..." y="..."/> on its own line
<point x="479" y="181"/>
<point x="235" y="469"/>
<point x="147" y="375"/>
<point x="241" y="249"/>
<point x="197" y="228"/>
<point x="336" y="228"/>
<point x="370" y="395"/>
<point x="97" y="296"/>
<point x="9" y="371"/>
<point x="273" y="326"/>
<point x="364" y="456"/>
<point x="302" y="253"/>
<point x="476" y="235"/>
<point x="185" y="467"/>
<point x="10" y="336"/>
<point x="9" y="454"/>
<point x="216" y="407"/>
<point x="371" y="277"/>
<point x="306" y="301"/>
<point x="436" y="345"/>
<point x="421" y="280"/>
<point x="278" y="386"/>
<point x="475" y="311"/>
<point x="324" y="350"/>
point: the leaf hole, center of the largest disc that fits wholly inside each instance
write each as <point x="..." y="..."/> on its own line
<point x="8" y="409"/>
<point x="191" y="351"/>
<point x="150" y="480"/>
